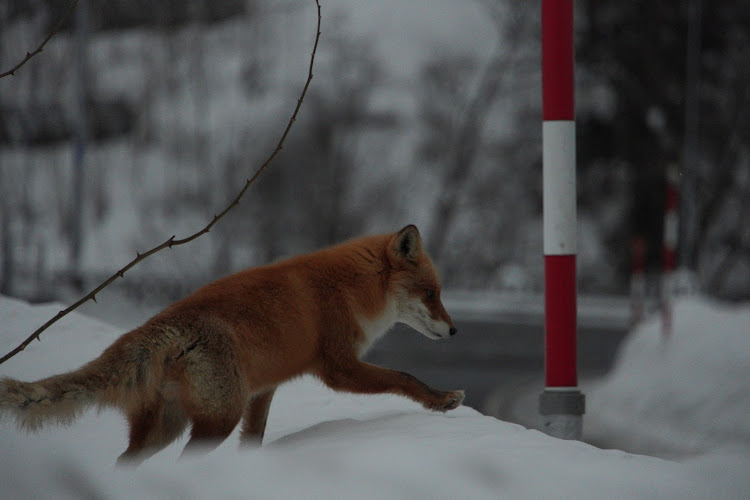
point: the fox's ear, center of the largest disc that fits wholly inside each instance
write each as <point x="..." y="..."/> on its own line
<point x="407" y="244"/>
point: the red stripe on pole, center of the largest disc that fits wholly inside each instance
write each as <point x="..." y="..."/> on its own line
<point x="557" y="60"/>
<point x="638" y="255"/>
<point x="560" y="321"/>
<point x="672" y="198"/>
<point x="669" y="257"/>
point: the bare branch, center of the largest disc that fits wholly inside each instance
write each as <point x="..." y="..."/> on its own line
<point x="52" y="33"/>
<point x="172" y="242"/>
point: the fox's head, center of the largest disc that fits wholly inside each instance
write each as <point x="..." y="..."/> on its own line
<point x="415" y="286"/>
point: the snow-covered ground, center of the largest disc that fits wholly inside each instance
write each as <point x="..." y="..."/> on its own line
<point x="682" y="394"/>
<point x="322" y="444"/>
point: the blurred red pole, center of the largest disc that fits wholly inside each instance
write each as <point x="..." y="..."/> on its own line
<point x="669" y="248"/>
<point x="637" y="279"/>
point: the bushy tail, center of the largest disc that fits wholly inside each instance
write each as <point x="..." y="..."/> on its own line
<point x="110" y="380"/>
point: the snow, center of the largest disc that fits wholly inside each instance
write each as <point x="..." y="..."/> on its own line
<point x="685" y="393"/>
<point x="322" y="444"/>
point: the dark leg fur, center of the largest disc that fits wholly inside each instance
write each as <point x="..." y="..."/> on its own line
<point x="208" y="432"/>
<point x="152" y="428"/>
<point x="255" y="418"/>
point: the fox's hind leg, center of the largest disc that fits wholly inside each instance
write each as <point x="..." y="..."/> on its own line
<point x="209" y="431"/>
<point x="254" y="420"/>
<point x="152" y="427"/>
<point x="213" y="398"/>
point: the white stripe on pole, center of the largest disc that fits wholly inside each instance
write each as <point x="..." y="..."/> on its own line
<point x="559" y="160"/>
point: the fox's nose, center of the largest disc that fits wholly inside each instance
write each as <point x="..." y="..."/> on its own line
<point x="453" y="331"/>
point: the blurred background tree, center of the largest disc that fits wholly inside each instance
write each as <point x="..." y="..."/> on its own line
<point x="632" y="60"/>
<point x="184" y="98"/>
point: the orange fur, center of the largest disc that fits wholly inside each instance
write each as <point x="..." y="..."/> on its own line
<point x="219" y="353"/>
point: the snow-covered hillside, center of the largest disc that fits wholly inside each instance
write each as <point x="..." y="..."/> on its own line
<point x="322" y="444"/>
<point x="682" y="394"/>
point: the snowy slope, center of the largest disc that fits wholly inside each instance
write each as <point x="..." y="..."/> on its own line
<point x="683" y="394"/>
<point x="322" y="444"/>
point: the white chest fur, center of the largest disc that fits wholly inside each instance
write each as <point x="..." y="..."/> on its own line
<point x="377" y="326"/>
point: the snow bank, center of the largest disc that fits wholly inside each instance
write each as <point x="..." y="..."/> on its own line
<point x="322" y="444"/>
<point x="686" y="393"/>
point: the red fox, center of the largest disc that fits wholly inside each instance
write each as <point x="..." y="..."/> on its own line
<point x="215" y="357"/>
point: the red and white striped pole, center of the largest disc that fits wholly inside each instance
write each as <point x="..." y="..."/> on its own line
<point x="561" y="403"/>
<point x="669" y="247"/>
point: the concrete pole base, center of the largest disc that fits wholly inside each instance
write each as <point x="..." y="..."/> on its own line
<point x="563" y="426"/>
<point x="562" y="412"/>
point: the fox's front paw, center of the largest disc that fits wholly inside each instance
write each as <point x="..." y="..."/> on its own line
<point x="447" y="401"/>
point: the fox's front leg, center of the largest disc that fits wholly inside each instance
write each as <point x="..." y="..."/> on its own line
<point x="364" y="378"/>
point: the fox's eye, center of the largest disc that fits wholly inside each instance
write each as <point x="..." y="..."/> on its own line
<point x="430" y="293"/>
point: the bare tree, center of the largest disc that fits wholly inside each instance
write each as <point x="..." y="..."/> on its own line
<point x="463" y="133"/>
<point x="173" y="241"/>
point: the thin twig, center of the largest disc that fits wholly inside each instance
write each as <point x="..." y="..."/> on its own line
<point x="172" y="242"/>
<point x="52" y="33"/>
